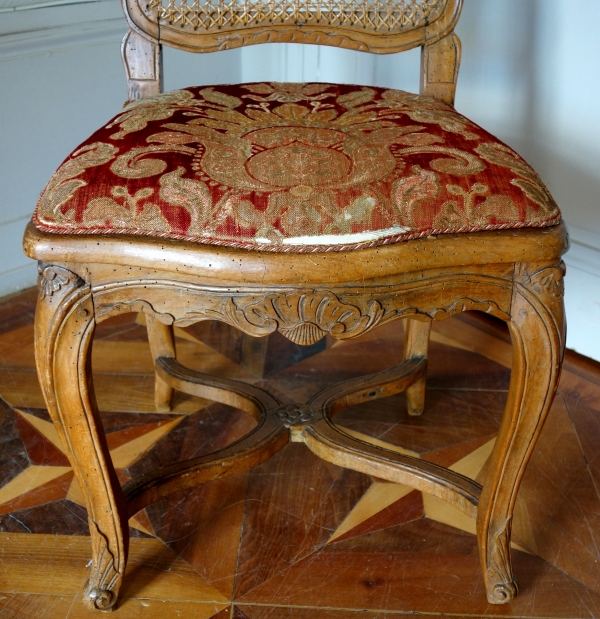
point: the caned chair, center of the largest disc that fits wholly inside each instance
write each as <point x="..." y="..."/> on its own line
<point x="310" y="209"/>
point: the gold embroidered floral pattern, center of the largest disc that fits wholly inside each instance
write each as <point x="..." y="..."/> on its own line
<point x="64" y="183"/>
<point x="292" y="167"/>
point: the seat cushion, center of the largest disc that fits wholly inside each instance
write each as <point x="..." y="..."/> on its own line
<point x="292" y="168"/>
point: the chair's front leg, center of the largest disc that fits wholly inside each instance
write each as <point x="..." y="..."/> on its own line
<point x="538" y="336"/>
<point x="416" y="344"/>
<point x="64" y="326"/>
<point x="162" y="344"/>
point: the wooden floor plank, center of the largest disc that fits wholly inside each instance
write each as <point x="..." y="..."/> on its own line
<point x="151" y="609"/>
<point x="115" y="392"/>
<point x="247" y="611"/>
<point x="423" y="567"/>
<point x="153" y="570"/>
<point x="35" y="606"/>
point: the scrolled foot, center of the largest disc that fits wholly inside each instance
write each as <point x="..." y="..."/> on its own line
<point x="502" y="593"/>
<point x="98" y="599"/>
<point x="415" y="404"/>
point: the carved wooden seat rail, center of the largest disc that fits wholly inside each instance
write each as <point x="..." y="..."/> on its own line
<point x="86" y="277"/>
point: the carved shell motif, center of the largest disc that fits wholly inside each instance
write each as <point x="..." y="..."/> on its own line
<point x="52" y="278"/>
<point x="548" y="280"/>
<point x="304" y="317"/>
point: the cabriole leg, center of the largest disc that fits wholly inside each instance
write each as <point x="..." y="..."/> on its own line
<point x="416" y="344"/>
<point x="162" y="344"/>
<point x="64" y="326"/>
<point x="537" y="330"/>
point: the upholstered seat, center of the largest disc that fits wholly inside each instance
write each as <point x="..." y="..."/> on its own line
<point x="292" y="168"/>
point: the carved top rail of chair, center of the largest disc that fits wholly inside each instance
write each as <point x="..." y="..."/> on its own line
<point x="381" y="26"/>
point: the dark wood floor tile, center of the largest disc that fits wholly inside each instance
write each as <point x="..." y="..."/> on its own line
<point x="282" y="353"/>
<point x="580" y="390"/>
<point x="238" y="613"/>
<point x="39" y="449"/>
<point x="448" y="456"/>
<point x="486" y="323"/>
<point x="247" y="352"/>
<point x="586" y="368"/>
<point x="449" y="365"/>
<point x="215" y="427"/>
<point x="203" y="526"/>
<point x="282" y="396"/>
<point x="295" y="612"/>
<point x="335" y="364"/>
<point x="116" y="326"/>
<point x="450" y="418"/>
<point x="5" y="411"/>
<point x="13" y="455"/>
<point x="57" y="518"/>
<point x="423" y="567"/>
<point x="562" y="500"/>
<point x="198" y="434"/>
<point x="53" y="490"/>
<point x="35" y="606"/>
<point x="115" y="421"/>
<point x="453" y="368"/>
<point x="294" y="503"/>
<point x="258" y="356"/>
<point x="586" y="421"/>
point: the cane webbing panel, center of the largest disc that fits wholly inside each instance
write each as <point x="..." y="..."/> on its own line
<point x="372" y="15"/>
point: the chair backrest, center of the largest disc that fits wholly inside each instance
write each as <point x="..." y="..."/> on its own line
<point x="378" y="26"/>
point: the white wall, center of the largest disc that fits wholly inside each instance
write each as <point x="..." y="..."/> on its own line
<point x="530" y="75"/>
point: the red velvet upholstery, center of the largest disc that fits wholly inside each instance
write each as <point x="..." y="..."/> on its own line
<point x="292" y="167"/>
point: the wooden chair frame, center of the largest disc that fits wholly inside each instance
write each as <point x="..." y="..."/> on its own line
<point x="515" y="275"/>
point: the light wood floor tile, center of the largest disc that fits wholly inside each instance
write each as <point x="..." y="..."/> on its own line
<point x="35" y="606"/>
<point x="151" y="609"/>
<point x="31" y="478"/>
<point x="154" y="571"/>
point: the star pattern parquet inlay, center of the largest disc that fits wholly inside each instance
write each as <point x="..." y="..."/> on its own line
<point x="297" y="537"/>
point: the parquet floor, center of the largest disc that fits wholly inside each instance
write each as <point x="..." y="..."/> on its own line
<point x="297" y="538"/>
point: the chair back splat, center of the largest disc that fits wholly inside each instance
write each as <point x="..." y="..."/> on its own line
<point x="377" y="26"/>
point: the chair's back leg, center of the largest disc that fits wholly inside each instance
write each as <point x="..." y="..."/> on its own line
<point x="162" y="344"/>
<point x="440" y="62"/>
<point x="416" y="344"/>
<point x="142" y="60"/>
<point x="538" y="335"/>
